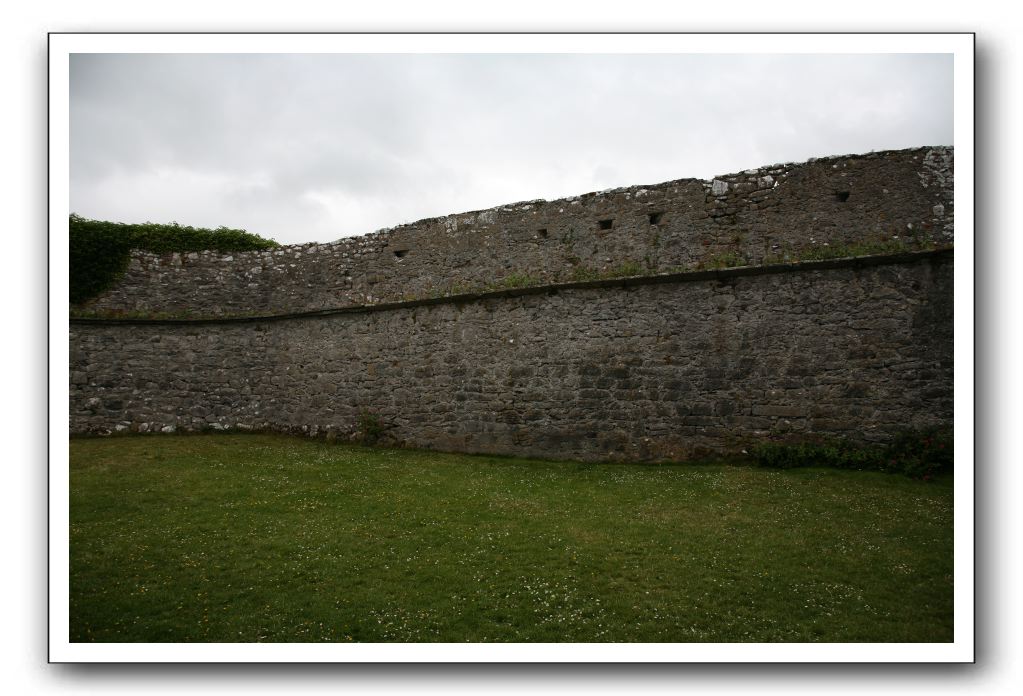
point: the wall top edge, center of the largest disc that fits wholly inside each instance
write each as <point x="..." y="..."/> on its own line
<point x="629" y="281"/>
<point x="519" y="206"/>
<point x="706" y="183"/>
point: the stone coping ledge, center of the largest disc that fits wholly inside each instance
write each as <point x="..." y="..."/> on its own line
<point x="553" y="288"/>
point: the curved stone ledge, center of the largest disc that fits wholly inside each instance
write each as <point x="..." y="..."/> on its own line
<point x="628" y="281"/>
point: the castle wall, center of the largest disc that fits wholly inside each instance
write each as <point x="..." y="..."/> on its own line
<point x="639" y="371"/>
<point x="773" y="211"/>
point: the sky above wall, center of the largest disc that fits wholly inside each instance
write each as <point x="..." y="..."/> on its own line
<point x="307" y="148"/>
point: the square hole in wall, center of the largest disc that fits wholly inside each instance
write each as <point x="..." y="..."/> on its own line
<point x="606" y="224"/>
<point x="400" y="253"/>
<point x="542" y="232"/>
<point x="655" y="218"/>
<point x="841" y="196"/>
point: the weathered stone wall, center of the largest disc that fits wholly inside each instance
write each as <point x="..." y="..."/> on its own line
<point x="771" y="211"/>
<point x="649" y="371"/>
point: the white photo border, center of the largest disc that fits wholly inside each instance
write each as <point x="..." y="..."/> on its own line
<point x="961" y="45"/>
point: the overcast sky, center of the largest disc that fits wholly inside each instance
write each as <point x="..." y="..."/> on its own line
<point x="315" y="147"/>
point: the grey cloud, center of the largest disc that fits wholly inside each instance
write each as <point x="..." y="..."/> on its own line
<point x="313" y="147"/>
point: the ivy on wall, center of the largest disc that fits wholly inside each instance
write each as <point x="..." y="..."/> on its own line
<point x="100" y="250"/>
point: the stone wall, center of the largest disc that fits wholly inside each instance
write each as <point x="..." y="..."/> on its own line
<point x="767" y="212"/>
<point x="651" y="369"/>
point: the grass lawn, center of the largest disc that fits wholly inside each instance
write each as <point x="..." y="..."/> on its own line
<point x="271" y="538"/>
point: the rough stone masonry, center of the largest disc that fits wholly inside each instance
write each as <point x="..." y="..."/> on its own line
<point x="655" y="367"/>
<point x="778" y="211"/>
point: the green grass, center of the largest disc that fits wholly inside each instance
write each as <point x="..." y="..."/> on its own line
<point x="269" y="538"/>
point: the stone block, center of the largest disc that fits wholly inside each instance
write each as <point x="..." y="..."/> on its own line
<point x="779" y="411"/>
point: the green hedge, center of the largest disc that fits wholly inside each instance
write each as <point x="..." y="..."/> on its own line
<point x="100" y="250"/>
<point x="919" y="454"/>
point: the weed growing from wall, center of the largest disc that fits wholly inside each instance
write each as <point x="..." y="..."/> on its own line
<point x="369" y="428"/>
<point x="517" y="280"/>
<point x="729" y="259"/>
<point x="826" y="252"/>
